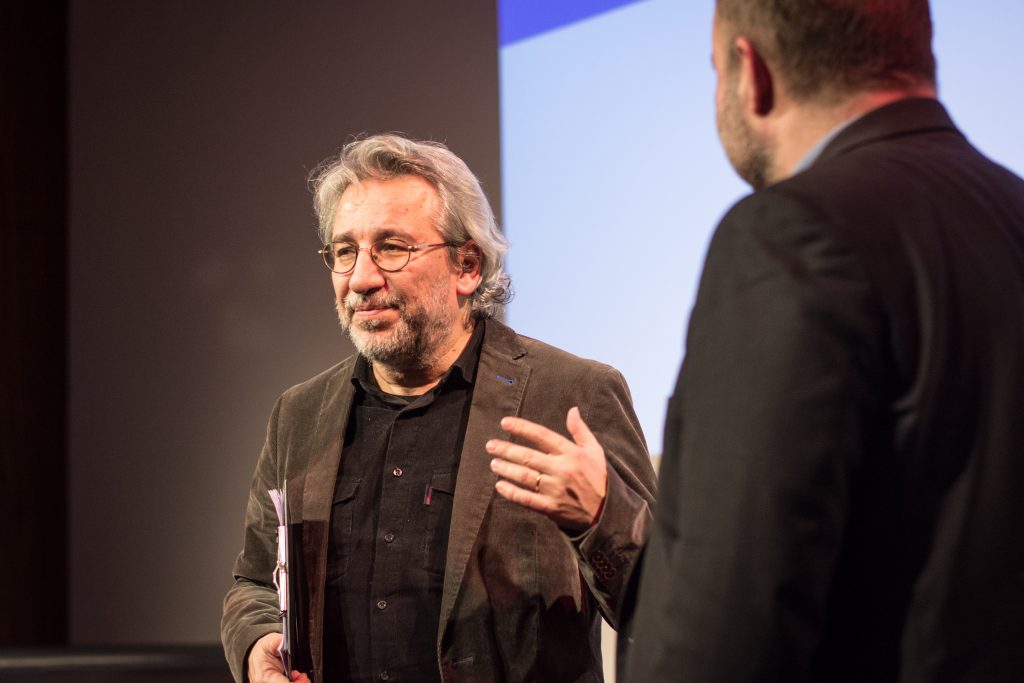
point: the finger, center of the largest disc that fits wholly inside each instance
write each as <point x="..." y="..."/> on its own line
<point x="540" y="436"/>
<point x="521" y="455"/>
<point x="581" y="433"/>
<point x="520" y="496"/>
<point x="526" y="477"/>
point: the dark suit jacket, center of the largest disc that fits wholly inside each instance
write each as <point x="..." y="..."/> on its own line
<point x="521" y="600"/>
<point x="842" y="490"/>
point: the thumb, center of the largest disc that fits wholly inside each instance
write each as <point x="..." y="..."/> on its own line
<point x="581" y="433"/>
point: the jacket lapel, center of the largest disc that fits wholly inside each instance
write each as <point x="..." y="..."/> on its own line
<point x="324" y="444"/>
<point x="317" y="481"/>
<point x="501" y="379"/>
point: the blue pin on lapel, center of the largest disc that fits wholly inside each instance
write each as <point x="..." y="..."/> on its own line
<point x="506" y="380"/>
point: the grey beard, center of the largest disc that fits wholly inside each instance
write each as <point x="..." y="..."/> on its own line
<point x="412" y="343"/>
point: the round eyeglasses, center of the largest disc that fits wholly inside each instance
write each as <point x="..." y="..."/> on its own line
<point x="390" y="255"/>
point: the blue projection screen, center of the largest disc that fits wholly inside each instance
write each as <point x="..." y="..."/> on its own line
<point x="613" y="178"/>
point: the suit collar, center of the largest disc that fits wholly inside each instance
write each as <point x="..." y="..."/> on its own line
<point x="904" y="117"/>
<point x="501" y="340"/>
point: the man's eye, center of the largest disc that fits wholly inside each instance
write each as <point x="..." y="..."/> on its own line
<point x="344" y="251"/>
<point x="391" y="247"/>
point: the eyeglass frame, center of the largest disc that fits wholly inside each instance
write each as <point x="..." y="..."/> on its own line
<point x="325" y="250"/>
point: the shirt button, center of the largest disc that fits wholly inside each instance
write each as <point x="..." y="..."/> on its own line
<point x="397" y="472"/>
<point x="384" y="675"/>
<point x="389" y="537"/>
<point x="382" y="604"/>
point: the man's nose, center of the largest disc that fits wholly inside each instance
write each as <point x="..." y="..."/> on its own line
<point x="365" y="276"/>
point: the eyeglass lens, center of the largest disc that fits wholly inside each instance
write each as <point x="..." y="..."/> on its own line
<point x="389" y="254"/>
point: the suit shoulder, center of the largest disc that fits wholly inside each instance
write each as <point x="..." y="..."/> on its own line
<point x="783" y="204"/>
<point x="778" y="221"/>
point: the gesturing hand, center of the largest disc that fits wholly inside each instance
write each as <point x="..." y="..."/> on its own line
<point x="563" y="479"/>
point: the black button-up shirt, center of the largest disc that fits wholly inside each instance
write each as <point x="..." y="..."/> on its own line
<point x="389" y="526"/>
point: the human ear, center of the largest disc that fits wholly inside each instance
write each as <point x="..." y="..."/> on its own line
<point x="756" y="87"/>
<point x="469" y="267"/>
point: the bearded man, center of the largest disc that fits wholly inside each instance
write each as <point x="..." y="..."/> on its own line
<point x="418" y="565"/>
<point x="844" y="450"/>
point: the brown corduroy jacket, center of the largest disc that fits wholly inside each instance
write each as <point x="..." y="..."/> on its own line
<point x="521" y="598"/>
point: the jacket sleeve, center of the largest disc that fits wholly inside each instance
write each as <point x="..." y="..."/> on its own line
<point x="250" y="607"/>
<point x="609" y="551"/>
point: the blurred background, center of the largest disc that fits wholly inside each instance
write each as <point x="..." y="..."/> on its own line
<point x="159" y="282"/>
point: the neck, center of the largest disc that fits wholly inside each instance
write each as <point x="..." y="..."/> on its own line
<point x="421" y="377"/>
<point x="802" y="125"/>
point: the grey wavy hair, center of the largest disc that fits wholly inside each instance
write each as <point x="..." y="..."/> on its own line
<point x="465" y="212"/>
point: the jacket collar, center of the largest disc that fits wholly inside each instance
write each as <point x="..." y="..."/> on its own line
<point x="905" y="117"/>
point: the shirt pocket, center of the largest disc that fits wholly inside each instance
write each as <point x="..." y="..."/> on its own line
<point x="437" y="503"/>
<point x="340" y="544"/>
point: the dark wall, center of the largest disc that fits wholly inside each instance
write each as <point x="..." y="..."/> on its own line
<point x="33" y="205"/>
<point x="196" y="295"/>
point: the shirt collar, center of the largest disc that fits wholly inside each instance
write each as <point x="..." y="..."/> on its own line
<point x="814" y="152"/>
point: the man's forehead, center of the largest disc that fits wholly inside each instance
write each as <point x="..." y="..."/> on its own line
<point x="404" y="191"/>
<point x="405" y="203"/>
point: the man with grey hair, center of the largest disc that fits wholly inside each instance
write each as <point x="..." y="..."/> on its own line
<point x="423" y="559"/>
<point x="844" y="451"/>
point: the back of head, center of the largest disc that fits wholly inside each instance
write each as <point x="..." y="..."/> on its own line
<point x="827" y="49"/>
<point x="465" y="212"/>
